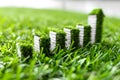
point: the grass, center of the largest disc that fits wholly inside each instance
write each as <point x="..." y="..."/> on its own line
<point x="99" y="62"/>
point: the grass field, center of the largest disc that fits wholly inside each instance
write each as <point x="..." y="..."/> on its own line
<point x="99" y="62"/>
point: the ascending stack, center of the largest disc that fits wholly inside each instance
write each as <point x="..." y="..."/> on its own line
<point x="41" y="42"/>
<point x="72" y="37"/>
<point x="84" y="35"/>
<point x="95" y="20"/>
<point x="57" y="38"/>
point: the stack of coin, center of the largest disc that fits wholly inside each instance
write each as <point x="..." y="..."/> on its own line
<point x="72" y="37"/>
<point x="84" y="35"/>
<point x="95" y="20"/>
<point x="41" y="42"/>
<point x="24" y="50"/>
<point x="57" y="39"/>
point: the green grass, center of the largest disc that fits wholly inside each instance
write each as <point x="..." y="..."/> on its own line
<point x="99" y="62"/>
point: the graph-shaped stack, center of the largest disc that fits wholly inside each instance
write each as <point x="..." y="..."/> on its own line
<point x="24" y="50"/>
<point x="84" y="35"/>
<point x="41" y="42"/>
<point x="72" y="37"/>
<point x="95" y="20"/>
<point x="57" y="38"/>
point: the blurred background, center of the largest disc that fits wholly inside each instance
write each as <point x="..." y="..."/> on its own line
<point x="110" y="7"/>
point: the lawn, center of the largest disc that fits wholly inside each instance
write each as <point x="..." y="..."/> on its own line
<point x="99" y="62"/>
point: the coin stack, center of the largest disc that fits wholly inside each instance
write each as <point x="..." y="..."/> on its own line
<point x="24" y="50"/>
<point x="57" y="39"/>
<point x="41" y="42"/>
<point x="95" y="20"/>
<point x="84" y="35"/>
<point x="72" y="37"/>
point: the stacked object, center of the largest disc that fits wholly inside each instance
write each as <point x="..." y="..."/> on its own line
<point x="84" y="35"/>
<point x="72" y="37"/>
<point x="24" y="50"/>
<point x="42" y="42"/>
<point x="95" y="20"/>
<point x="57" y="38"/>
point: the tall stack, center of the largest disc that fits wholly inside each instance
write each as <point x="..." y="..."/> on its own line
<point x="72" y="37"/>
<point x="95" y="20"/>
<point x="41" y="42"/>
<point x="84" y="35"/>
<point x="57" y="38"/>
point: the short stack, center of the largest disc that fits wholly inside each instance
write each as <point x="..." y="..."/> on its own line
<point x="57" y="39"/>
<point x="84" y="35"/>
<point x="24" y="50"/>
<point x="41" y="42"/>
<point x="95" y="20"/>
<point x="72" y="37"/>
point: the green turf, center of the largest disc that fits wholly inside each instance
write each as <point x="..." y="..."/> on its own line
<point x="98" y="62"/>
